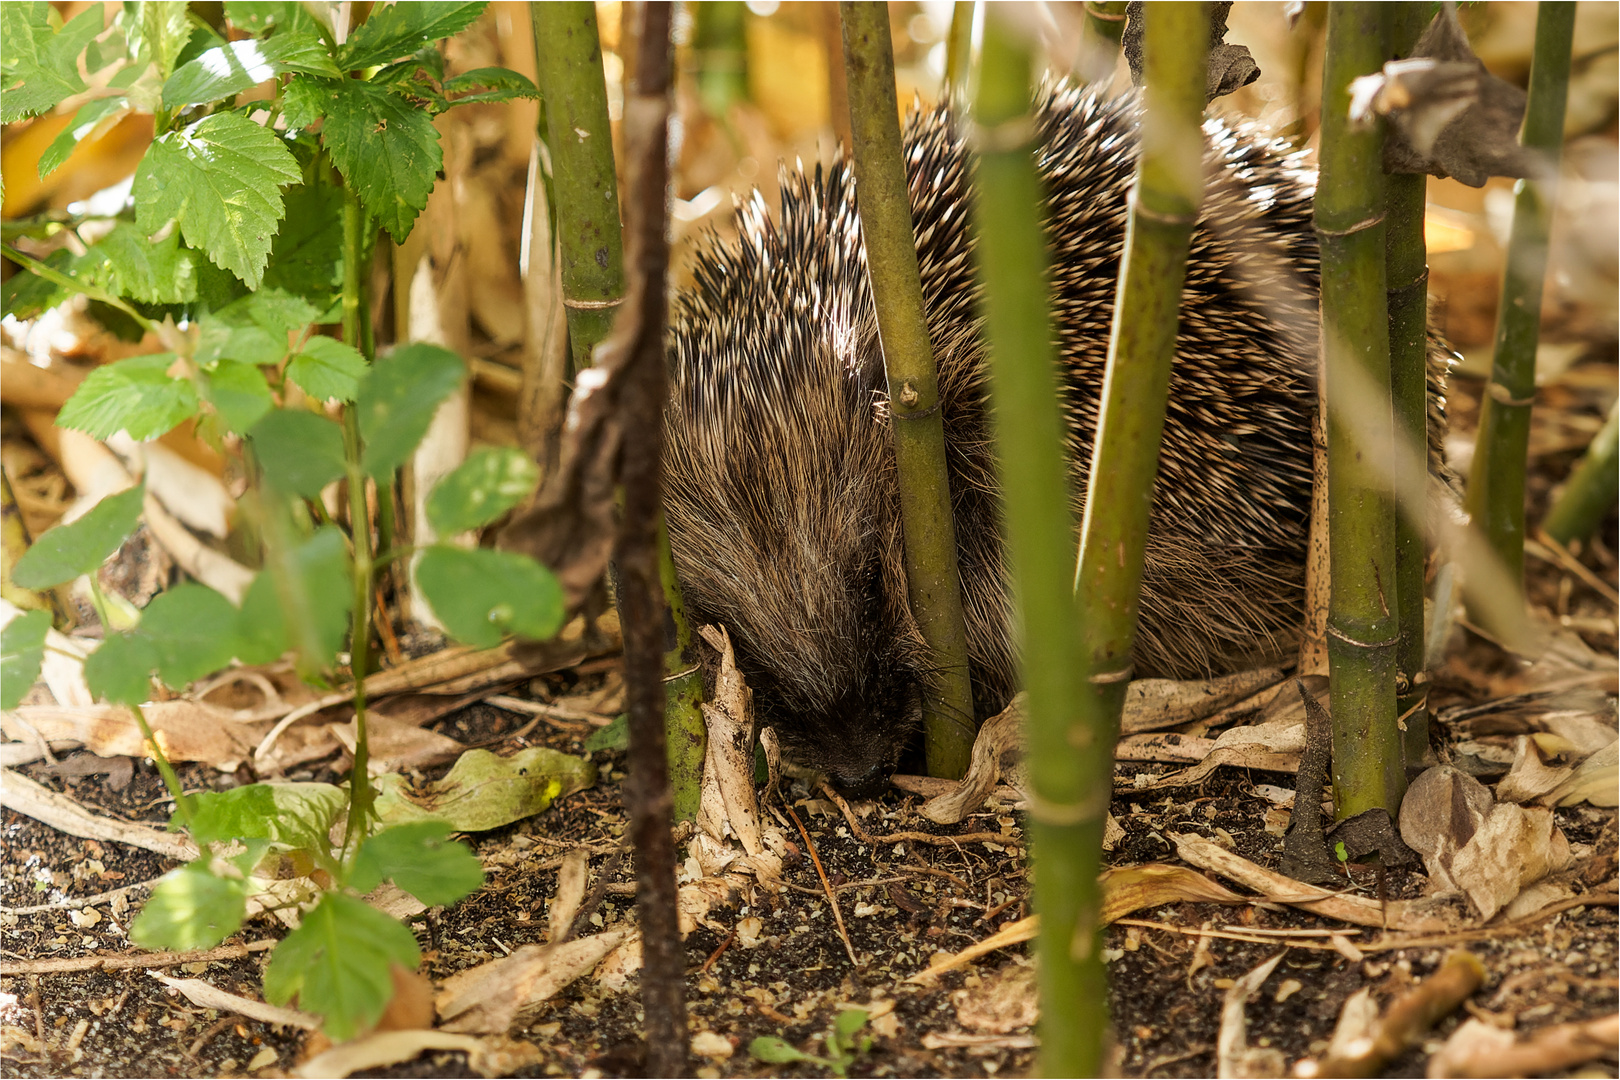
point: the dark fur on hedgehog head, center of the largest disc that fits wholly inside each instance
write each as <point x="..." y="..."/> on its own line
<point x="781" y="497"/>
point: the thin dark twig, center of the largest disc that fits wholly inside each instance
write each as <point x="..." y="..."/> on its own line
<point x="641" y="605"/>
<point x="832" y="896"/>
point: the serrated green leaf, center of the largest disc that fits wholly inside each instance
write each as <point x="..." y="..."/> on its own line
<point x="239" y="394"/>
<point x="259" y="17"/>
<point x="302" y="602"/>
<point x="337" y="964"/>
<point x="241" y="65"/>
<point x="307" y="257"/>
<point x="137" y="395"/>
<point x="153" y="272"/>
<point x="483" y="595"/>
<point x="193" y="632"/>
<point x="120" y="670"/>
<point x="219" y="340"/>
<point x="101" y="113"/>
<point x="191" y="908"/>
<point x="22" y="651"/>
<point x="297" y="816"/>
<point x="488" y="484"/>
<point x="387" y="150"/>
<point x="26" y="294"/>
<point x="770" y="1049"/>
<point x="420" y="858"/>
<point x="490" y="84"/>
<point x="221" y="179"/>
<point x="40" y="65"/>
<point x="396" y="401"/>
<point x="400" y="29"/>
<point x="307" y="100"/>
<point x="328" y="369"/>
<point x="81" y="546"/>
<point x="157" y="32"/>
<point x="300" y="452"/>
<point x="263" y="630"/>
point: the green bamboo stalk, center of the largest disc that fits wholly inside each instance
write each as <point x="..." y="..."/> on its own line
<point x="1407" y="292"/>
<point x="1589" y="493"/>
<point x="1113" y="534"/>
<point x="933" y="581"/>
<point x="1495" y="498"/>
<point x="959" y="49"/>
<point x="720" y="51"/>
<point x="591" y="241"/>
<point x="1363" y="629"/>
<point x="568" y="57"/>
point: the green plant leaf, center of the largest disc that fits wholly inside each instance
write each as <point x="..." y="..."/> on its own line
<point x="191" y="908"/>
<point x="239" y="394"/>
<point x="89" y="117"/>
<point x="259" y="17"/>
<point x="390" y="34"/>
<point x="337" y="963"/>
<point x="193" y="632"/>
<point x="307" y="257"/>
<point x="483" y="595"/>
<point x="420" y="858"/>
<point x="241" y="65"/>
<point x="40" y="67"/>
<point x="26" y="294"/>
<point x="302" y="603"/>
<point x="297" y="816"/>
<point x="157" y="32"/>
<point x="80" y="547"/>
<point x="396" y="401"/>
<point x="151" y="271"/>
<point x="386" y="149"/>
<point x="327" y="369"/>
<point x="221" y="179"/>
<point x="769" y="1048"/>
<point x="489" y="84"/>
<point x="615" y="736"/>
<point x="308" y="99"/>
<point x="137" y="395"/>
<point x="22" y="651"/>
<point x="120" y="670"/>
<point x="299" y="452"/>
<point x="488" y="484"/>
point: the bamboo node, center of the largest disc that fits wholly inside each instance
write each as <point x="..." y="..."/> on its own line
<point x="1360" y="226"/>
<point x="1062" y="815"/>
<point x="1387" y="643"/>
<point x="591" y="305"/>
<point x="1503" y="396"/>
<point x="1017" y="133"/>
<point x="1108" y="678"/>
<point x="676" y="676"/>
<point x="1159" y="217"/>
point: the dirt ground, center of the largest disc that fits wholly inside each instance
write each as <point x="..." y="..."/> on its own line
<point x="791" y="974"/>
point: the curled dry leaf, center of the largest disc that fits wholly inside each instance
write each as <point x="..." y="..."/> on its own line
<point x="1408" y="1018"/>
<point x="1157" y="704"/>
<point x="1000" y="736"/>
<point x="487" y="1056"/>
<point x="1449" y="116"/>
<point x="1480" y="1049"/>
<point x="494" y="997"/>
<point x="1513" y="847"/>
<point x="1440" y="814"/>
<point x="1003" y="1003"/>
<point x="1233" y="1055"/>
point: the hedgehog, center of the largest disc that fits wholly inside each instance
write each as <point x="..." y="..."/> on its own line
<point x="780" y="488"/>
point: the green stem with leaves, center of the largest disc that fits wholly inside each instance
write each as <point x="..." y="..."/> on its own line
<point x="591" y="242"/>
<point x="916" y="424"/>
<point x="361" y="794"/>
<point x="569" y="61"/>
<point x="1363" y="628"/>
<point x="1407" y="288"/>
<point x="1589" y="493"/>
<point x="1495" y="499"/>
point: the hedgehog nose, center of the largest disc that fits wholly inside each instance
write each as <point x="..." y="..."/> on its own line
<point x="868" y="785"/>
